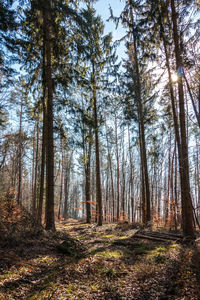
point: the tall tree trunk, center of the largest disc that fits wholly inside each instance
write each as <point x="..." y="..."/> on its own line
<point x="61" y="178"/>
<point x="172" y="203"/>
<point x="123" y="182"/>
<point x="184" y="181"/>
<point x="68" y="165"/>
<point x="49" y="217"/>
<point x="131" y="176"/>
<point x="87" y="182"/>
<point x="197" y="115"/>
<point x="111" y="178"/>
<point x="98" y="172"/>
<point x="44" y="133"/>
<point x="36" y="172"/>
<point x="33" y="203"/>
<point x="167" y="200"/>
<point x="117" y="157"/>
<point x="19" y="193"/>
<point x="144" y="166"/>
<point x="187" y="212"/>
<point x="175" y="190"/>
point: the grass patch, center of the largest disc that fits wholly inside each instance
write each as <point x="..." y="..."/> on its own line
<point x="46" y="259"/>
<point x="109" y="236"/>
<point x="145" y="270"/>
<point x="110" y="254"/>
<point x="44" y="294"/>
<point x="109" y="272"/>
<point x="77" y="291"/>
<point x="175" y="247"/>
<point x="137" y="247"/>
<point x="159" y="255"/>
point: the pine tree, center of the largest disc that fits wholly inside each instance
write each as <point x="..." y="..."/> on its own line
<point x="134" y="67"/>
<point x="161" y="13"/>
<point x="46" y="50"/>
<point x="94" y="47"/>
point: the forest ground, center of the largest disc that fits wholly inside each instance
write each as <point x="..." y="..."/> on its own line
<point x="83" y="261"/>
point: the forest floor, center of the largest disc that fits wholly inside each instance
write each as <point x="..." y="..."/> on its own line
<point x="83" y="261"/>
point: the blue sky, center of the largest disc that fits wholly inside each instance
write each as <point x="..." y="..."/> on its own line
<point x="102" y="8"/>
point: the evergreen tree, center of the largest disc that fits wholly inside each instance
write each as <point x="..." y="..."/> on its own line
<point x="161" y="13"/>
<point x="95" y="50"/>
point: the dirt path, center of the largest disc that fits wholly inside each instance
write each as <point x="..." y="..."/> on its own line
<point x="109" y="263"/>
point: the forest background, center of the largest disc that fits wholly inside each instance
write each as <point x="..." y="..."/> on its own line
<point x="94" y="135"/>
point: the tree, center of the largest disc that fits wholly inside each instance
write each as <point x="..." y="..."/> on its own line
<point x="161" y="15"/>
<point x="186" y="201"/>
<point x="94" y="47"/>
<point x="134" y="67"/>
<point x="7" y="28"/>
<point x="49" y="49"/>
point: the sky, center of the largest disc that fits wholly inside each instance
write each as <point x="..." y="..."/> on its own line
<point x="102" y="8"/>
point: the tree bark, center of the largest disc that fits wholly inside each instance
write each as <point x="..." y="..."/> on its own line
<point x="117" y="157"/>
<point x="87" y="183"/>
<point x="49" y="217"/>
<point x="98" y="172"/>
<point x="187" y="213"/>
<point x="19" y="194"/>
<point x="44" y="139"/>
<point x="144" y="166"/>
<point x="111" y="178"/>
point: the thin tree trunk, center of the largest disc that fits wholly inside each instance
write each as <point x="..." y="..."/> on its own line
<point x="131" y="176"/>
<point x="35" y="172"/>
<point x="175" y="190"/>
<point x="117" y="157"/>
<point x="44" y="134"/>
<point x="19" y="194"/>
<point x="33" y="207"/>
<point x="197" y="115"/>
<point x="168" y="185"/>
<point x="98" y="172"/>
<point x="61" y="178"/>
<point x="111" y="178"/>
<point x="87" y="183"/>
<point x="68" y="165"/>
<point x="144" y="167"/>
<point x="123" y="182"/>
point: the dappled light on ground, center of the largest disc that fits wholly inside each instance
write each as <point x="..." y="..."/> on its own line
<point x="110" y="263"/>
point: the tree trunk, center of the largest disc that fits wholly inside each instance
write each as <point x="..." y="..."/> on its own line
<point x="33" y="203"/>
<point x="35" y="172"/>
<point x="111" y="178"/>
<point x="44" y="139"/>
<point x="98" y="172"/>
<point x="144" y="166"/>
<point x="117" y="157"/>
<point x="49" y="217"/>
<point x="68" y="164"/>
<point x="131" y="177"/>
<point x="19" y="193"/>
<point x="61" y="178"/>
<point x="87" y="184"/>
<point x="167" y="201"/>
<point x="187" y="213"/>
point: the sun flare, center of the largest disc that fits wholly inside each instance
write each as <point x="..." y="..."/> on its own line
<point x="174" y="77"/>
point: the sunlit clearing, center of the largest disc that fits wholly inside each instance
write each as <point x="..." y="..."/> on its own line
<point x="174" y="77"/>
